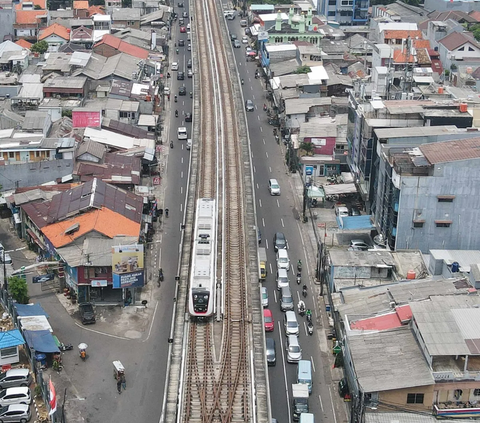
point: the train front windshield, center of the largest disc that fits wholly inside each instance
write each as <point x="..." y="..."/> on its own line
<point x="200" y="302"/>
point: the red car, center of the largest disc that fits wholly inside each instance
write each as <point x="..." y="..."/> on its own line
<point x="268" y="319"/>
<point x="183" y="29"/>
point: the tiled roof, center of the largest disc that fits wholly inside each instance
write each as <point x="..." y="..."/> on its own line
<point x="81" y="33"/>
<point x="457" y="39"/>
<point x="397" y="34"/>
<point x="96" y="10"/>
<point x="451" y="151"/>
<point x="24" y="43"/>
<point x="456" y="15"/>
<point x="399" y="56"/>
<point x="123" y="46"/>
<point x="421" y="43"/>
<point x="104" y="221"/>
<point x="475" y="14"/>
<point x="437" y="66"/>
<point x="24" y="17"/>
<point x="56" y="29"/>
<point x="91" y="147"/>
<point x="80" y="4"/>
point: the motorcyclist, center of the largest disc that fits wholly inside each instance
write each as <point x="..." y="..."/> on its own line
<point x="308" y="313"/>
<point x="177" y="50"/>
<point x="301" y="307"/>
<point x="191" y="94"/>
<point x="176" y="113"/>
<point x="175" y="98"/>
<point x="304" y="290"/>
<point x="242" y="81"/>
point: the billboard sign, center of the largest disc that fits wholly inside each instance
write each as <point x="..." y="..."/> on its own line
<point x="127" y="266"/>
<point x="309" y="170"/>
<point x="262" y="35"/>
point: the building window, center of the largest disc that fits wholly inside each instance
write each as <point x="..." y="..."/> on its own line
<point x="445" y="198"/>
<point x="9" y="352"/>
<point x="418" y="223"/>
<point x="332" y="13"/>
<point x="461" y="49"/>
<point x="414" y="398"/>
<point x="11" y="155"/>
<point x="443" y="223"/>
<point x="457" y="393"/>
<point x="471" y="49"/>
<point x="476" y="392"/>
<point x="332" y="2"/>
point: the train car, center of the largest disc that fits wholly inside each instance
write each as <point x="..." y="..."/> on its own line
<point x="201" y="301"/>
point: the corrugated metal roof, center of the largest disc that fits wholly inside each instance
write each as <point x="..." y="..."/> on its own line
<point x="443" y="324"/>
<point x="451" y="151"/>
<point x="392" y="351"/>
<point x="11" y="338"/>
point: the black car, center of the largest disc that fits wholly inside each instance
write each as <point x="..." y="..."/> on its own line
<point x="180" y="76"/>
<point x="233" y="37"/>
<point x="87" y="313"/>
<point x="182" y="91"/>
<point x="181" y="43"/>
<point x="189" y="64"/>
<point x="188" y="117"/>
<point x="279" y="241"/>
<point x="180" y="4"/>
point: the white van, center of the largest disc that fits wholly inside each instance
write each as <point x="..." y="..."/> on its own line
<point x="282" y="279"/>
<point x="243" y="23"/>
<point x="283" y="262"/>
<point x="189" y="144"/>
<point x="182" y="133"/>
<point x="304" y="373"/>
<point x="174" y="66"/>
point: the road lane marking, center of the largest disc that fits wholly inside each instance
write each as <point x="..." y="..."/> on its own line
<point x="321" y="403"/>
<point x="313" y="363"/>
<point x="151" y="324"/>
<point x="278" y="203"/>
<point x="266" y="154"/>
<point x="260" y="202"/>
<point x="333" y="407"/>
<point x="283" y="223"/>
<point x="263" y="222"/>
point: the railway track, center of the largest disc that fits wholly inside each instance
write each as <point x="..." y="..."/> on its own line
<point x="220" y="391"/>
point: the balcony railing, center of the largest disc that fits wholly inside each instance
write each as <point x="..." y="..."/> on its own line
<point x="457" y="410"/>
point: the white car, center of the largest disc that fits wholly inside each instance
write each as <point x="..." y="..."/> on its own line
<point x="283" y="262"/>
<point x="20" y="395"/>
<point x="174" y="66"/>
<point x="244" y="39"/>
<point x="5" y="258"/>
<point x="294" y="351"/>
<point x="188" y="26"/>
<point x="264" y="296"/>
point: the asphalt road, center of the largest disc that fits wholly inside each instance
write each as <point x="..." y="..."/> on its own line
<point x="278" y="214"/>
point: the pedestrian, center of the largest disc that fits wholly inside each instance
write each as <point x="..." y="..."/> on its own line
<point x="123" y="380"/>
<point x="119" y="384"/>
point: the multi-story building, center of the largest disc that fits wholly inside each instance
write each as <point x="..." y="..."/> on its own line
<point x="428" y="197"/>
<point x="345" y="12"/>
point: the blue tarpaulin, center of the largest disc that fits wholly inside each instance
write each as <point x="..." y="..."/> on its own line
<point x="349" y="223"/>
<point x="30" y="310"/>
<point x="40" y="341"/>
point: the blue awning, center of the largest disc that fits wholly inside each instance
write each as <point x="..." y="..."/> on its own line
<point x="41" y="341"/>
<point x="30" y="310"/>
<point x="11" y="338"/>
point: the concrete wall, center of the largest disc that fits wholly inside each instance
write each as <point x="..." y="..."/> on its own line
<point x="7" y="19"/>
<point x="33" y="174"/>
<point x="398" y="398"/>
<point x="460" y="178"/>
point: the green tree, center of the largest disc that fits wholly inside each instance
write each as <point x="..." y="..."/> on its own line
<point x="17" y="287"/>
<point x="303" y="69"/>
<point x="476" y="31"/>
<point x="40" y="47"/>
<point x="307" y="147"/>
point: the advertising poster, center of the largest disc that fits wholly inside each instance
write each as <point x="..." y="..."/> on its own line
<point x="127" y="266"/>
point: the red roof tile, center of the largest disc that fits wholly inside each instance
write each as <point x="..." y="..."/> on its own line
<point x="475" y="14"/>
<point x="396" y="34"/>
<point x="24" y="17"/>
<point x="123" y="46"/>
<point x="104" y="221"/>
<point x="80" y="4"/>
<point x="421" y="43"/>
<point x="387" y="321"/>
<point x="399" y="56"/>
<point x="96" y="10"/>
<point x="24" y="43"/>
<point x="56" y="29"/>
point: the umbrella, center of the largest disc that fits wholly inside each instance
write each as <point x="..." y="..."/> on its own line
<point x="82" y="346"/>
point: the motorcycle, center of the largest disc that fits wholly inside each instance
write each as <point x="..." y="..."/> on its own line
<point x="277" y="138"/>
<point x="65" y="347"/>
<point x="175" y="98"/>
<point x="301" y="308"/>
<point x="171" y="144"/>
<point x="191" y="94"/>
<point x="176" y="113"/>
<point x="304" y="291"/>
<point x="299" y="265"/>
<point x="242" y="82"/>
<point x="166" y="212"/>
<point x="83" y="350"/>
<point x="310" y="328"/>
<point x="299" y="278"/>
<point x="308" y="315"/>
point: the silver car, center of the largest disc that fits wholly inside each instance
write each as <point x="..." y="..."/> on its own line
<point x="249" y="107"/>
<point x="294" y="351"/>
<point x="20" y="395"/>
<point x="15" y="413"/>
